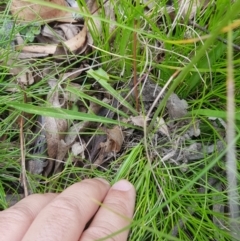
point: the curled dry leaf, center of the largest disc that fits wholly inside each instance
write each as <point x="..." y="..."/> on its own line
<point x="54" y="133"/>
<point x="54" y="127"/>
<point x="114" y="139"/>
<point x="28" y="12"/>
<point x="112" y="144"/>
<point x="72" y="44"/>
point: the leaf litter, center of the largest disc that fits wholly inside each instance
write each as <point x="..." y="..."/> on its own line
<point x="177" y="136"/>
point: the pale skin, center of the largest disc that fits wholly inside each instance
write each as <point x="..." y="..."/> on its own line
<point x="63" y="217"/>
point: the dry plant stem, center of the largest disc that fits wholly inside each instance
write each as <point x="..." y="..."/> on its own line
<point x="22" y="146"/>
<point x="233" y="196"/>
<point x="135" y="65"/>
<point x="192" y="23"/>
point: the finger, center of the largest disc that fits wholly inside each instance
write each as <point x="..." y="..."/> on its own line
<point x="115" y="214"/>
<point x="15" y="221"/>
<point x="66" y="216"/>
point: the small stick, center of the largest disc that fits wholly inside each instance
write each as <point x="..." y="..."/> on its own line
<point x="22" y="146"/>
<point x="135" y="65"/>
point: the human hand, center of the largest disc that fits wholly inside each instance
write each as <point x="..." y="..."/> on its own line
<point x="63" y="217"/>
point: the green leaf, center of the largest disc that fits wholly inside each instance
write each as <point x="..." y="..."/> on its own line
<point x="214" y="113"/>
<point x="138" y="11"/>
<point x="102" y="78"/>
<point x="63" y="113"/>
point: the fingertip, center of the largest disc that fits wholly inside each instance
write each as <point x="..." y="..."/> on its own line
<point x="123" y="185"/>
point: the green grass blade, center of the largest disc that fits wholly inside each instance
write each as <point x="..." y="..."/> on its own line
<point x="95" y="100"/>
<point x="63" y="113"/>
<point x="102" y="78"/>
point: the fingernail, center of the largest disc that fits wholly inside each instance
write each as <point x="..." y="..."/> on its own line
<point x="102" y="180"/>
<point x="122" y="185"/>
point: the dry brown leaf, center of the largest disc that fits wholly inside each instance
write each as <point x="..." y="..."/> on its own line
<point x="54" y="127"/>
<point x="69" y="30"/>
<point x="113" y="144"/>
<point x="27" y="12"/>
<point x="139" y="120"/>
<point x="25" y="78"/>
<point x="61" y="32"/>
<point x="54" y="133"/>
<point x="31" y="55"/>
<point x="50" y="35"/>
<point x="74" y="130"/>
<point x="162" y="127"/>
<point x="72" y="44"/>
<point x="114" y="139"/>
<point x="62" y="150"/>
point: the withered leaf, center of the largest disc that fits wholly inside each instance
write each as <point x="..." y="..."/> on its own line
<point x="114" y="139"/>
<point x="162" y="127"/>
<point x="26" y="11"/>
<point x="113" y="144"/>
<point x="72" y="44"/>
<point x="139" y="120"/>
<point x="54" y="127"/>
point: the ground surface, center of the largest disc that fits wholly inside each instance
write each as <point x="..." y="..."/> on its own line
<point x="124" y="90"/>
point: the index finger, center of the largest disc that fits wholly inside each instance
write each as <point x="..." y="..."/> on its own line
<point x="66" y="216"/>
